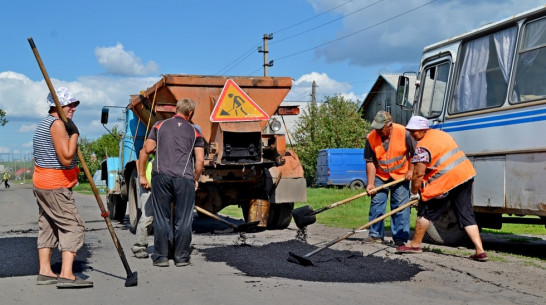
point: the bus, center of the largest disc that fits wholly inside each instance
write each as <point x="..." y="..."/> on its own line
<point x="487" y="89"/>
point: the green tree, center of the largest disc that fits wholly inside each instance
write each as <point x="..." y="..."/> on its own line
<point x="95" y="151"/>
<point x="332" y="124"/>
<point x="3" y="120"/>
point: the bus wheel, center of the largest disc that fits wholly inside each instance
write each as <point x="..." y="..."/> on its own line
<point x="445" y="230"/>
<point x="356" y="185"/>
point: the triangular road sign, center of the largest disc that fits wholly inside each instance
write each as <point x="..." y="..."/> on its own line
<point x="235" y="105"/>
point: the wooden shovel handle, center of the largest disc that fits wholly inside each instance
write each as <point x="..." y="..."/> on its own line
<point x="344" y="201"/>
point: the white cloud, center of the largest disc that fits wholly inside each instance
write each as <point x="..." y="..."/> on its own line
<point x="301" y="88"/>
<point x="24" y="102"/>
<point x="27" y="128"/>
<point x="383" y="36"/>
<point x="118" y="61"/>
<point x="22" y="97"/>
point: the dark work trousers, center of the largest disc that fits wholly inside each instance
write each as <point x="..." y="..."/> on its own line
<point x="180" y="191"/>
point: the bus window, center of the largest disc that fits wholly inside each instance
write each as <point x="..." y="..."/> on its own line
<point x="433" y="90"/>
<point x="530" y="81"/>
<point x="484" y="70"/>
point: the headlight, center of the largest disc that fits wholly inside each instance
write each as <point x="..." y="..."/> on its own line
<point x="275" y="125"/>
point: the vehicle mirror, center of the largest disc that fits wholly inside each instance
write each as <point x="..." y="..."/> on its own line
<point x="104" y="116"/>
<point x="402" y="91"/>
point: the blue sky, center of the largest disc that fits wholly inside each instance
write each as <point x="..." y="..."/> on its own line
<point x="104" y="51"/>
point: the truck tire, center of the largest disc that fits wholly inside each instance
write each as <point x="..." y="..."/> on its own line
<point x="133" y="197"/>
<point x="280" y="215"/>
<point x="357" y="185"/>
<point x="116" y="206"/>
<point x="445" y="230"/>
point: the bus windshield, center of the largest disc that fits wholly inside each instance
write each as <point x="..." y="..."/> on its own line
<point x="433" y="90"/>
<point x="530" y="81"/>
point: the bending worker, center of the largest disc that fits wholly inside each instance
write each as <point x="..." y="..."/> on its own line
<point x="387" y="153"/>
<point x="442" y="174"/>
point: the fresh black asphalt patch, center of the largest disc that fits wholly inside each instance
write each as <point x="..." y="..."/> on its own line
<point x="20" y="257"/>
<point x="272" y="260"/>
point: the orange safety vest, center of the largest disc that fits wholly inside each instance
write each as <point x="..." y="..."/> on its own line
<point x="448" y="167"/>
<point x="391" y="163"/>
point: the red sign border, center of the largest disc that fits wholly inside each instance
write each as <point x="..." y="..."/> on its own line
<point x="214" y="114"/>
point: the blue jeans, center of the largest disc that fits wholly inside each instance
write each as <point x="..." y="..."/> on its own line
<point x="400" y="222"/>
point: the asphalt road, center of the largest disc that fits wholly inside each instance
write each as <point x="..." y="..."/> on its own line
<point x="253" y="268"/>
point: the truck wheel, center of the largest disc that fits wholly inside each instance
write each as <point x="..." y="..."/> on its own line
<point x="356" y="185"/>
<point x="116" y="206"/>
<point x="445" y="230"/>
<point x="280" y="215"/>
<point x="133" y="194"/>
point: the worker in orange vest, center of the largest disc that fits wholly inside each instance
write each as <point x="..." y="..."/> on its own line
<point x="387" y="153"/>
<point x="442" y="174"/>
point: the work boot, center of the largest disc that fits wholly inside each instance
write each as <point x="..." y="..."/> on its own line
<point x="373" y="240"/>
<point x="137" y="248"/>
<point x="141" y="254"/>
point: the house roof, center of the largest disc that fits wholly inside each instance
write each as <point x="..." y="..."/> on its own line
<point x="392" y="80"/>
<point x="21" y="170"/>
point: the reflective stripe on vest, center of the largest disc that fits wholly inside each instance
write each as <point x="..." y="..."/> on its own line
<point x="392" y="163"/>
<point x="448" y="167"/>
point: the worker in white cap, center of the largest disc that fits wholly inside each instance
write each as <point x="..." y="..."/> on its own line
<point x="442" y="174"/>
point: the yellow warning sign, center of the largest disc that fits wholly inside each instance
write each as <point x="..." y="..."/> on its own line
<point x="235" y="105"/>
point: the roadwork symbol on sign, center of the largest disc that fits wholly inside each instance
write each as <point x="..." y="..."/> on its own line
<point x="235" y="105"/>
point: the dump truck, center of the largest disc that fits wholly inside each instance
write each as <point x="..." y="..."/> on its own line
<point x="247" y="162"/>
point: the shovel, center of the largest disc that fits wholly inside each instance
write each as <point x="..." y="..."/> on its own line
<point x="305" y="215"/>
<point x="305" y="261"/>
<point x="245" y="227"/>
<point x="132" y="279"/>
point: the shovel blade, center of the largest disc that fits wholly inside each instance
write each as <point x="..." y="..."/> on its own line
<point x="304" y="216"/>
<point x="300" y="259"/>
<point x="246" y="227"/>
<point x="132" y="280"/>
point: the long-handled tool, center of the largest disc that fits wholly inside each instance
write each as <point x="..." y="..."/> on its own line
<point x="305" y="215"/>
<point x="132" y="279"/>
<point x="245" y="227"/>
<point x="305" y="261"/>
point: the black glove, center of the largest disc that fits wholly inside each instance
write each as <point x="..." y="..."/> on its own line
<point x="71" y="127"/>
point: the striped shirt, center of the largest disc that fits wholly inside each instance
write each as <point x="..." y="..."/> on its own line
<point x="44" y="151"/>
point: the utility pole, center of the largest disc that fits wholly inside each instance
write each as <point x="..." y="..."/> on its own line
<point x="265" y="50"/>
<point x="314" y="93"/>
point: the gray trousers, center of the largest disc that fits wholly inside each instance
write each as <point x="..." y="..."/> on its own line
<point x="146" y="218"/>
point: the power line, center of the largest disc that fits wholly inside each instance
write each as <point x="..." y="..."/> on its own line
<point x="331" y="21"/>
<point x="301" y="22"/>
<point x="245" y="55"/>
<point x="238" y="60"/>
<point x="359" y="31"/>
